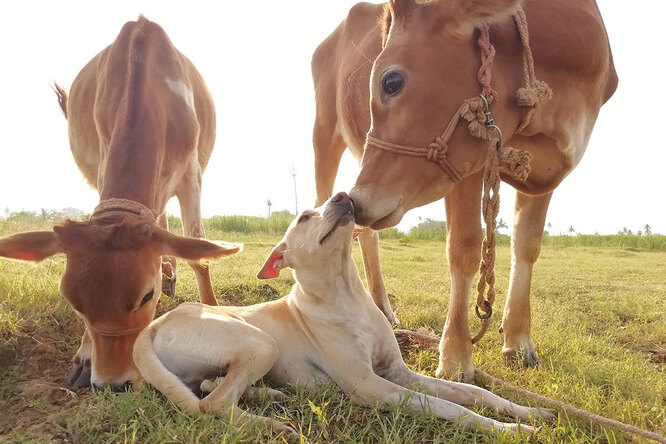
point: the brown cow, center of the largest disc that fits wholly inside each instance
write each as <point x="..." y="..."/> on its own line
<point x="420" y="59"/>
<point x="141" y="128"/>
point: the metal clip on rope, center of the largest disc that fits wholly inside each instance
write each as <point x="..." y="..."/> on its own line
<point x="490" y="122"/>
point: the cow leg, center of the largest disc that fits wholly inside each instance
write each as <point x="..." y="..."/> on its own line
<point x="168" y="263"/>
<point x="529" y="219"/>
<point x="189" y="198"/>
<point x="463" y="248"/>
<point x="369" y="240"/>
<point x="79" y="375"/>
<point x="328" y="149"/>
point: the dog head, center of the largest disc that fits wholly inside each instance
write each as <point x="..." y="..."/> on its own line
<point x="316" y="240"/>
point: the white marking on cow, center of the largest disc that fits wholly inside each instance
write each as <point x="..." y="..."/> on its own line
<point x="179" y="87"/>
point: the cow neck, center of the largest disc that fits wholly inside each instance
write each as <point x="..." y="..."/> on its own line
<point x="132" y="165"/>
<point x="515" y="162"/>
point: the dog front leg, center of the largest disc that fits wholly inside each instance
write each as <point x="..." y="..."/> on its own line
<point x="465" y="394"/>
<point x="367" y="388"/>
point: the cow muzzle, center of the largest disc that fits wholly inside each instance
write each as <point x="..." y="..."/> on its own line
<point x="375" y="210"/>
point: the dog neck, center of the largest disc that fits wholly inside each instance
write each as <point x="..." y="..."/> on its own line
<point x="332" y="283"/>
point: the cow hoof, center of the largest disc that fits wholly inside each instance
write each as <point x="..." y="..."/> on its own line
<point x="168" y="279"/>
<point x="462" y="371"/>
<point x="79" y="375"/>
<point x="523" y="357"/>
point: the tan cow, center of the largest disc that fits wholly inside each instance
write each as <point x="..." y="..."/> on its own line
<point x="141" y="128"/>
<point x="398" y="72"/>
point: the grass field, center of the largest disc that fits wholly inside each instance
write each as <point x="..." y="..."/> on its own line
<point x="598" y="320"/>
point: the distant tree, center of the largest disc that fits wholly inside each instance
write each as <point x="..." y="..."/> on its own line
<point x="269" y="204"/>
<point x="624" y="230"/>
<point x="571" y="229"/>
<point x="501" y="224"/>
<point x="285" y="213"/>
<point x="71" y="213"/>
<point x="639" y="233"/>
<point x="647" y="230"/>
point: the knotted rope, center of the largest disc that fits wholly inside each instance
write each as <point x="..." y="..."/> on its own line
<point x="535" y="92"/>
<point x="115" y="205"/>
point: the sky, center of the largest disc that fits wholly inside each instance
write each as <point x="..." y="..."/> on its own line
<point x="255" y="57"/>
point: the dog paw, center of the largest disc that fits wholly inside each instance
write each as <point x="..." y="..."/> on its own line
<point x="278" y="396"/>
<point x="514" y="429"/>
<point x="208" y="385"/>
<point x="543" y="413"/>
<point x="287" y="432"/>
<point x="79" y="375"/>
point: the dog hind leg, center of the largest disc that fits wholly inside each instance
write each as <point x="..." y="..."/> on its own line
<point x="252" y="393"/>
<point x="260" y="353"/>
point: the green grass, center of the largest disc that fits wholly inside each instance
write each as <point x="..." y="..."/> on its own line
<point x="598" y="321"/>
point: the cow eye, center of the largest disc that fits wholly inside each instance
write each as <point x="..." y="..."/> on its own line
<point x="303" y="218"/>
<point x="392" y="82"/>
<point x="147" y="298"/>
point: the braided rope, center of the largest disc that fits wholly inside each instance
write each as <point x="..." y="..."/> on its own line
<point x="116" y="205"/>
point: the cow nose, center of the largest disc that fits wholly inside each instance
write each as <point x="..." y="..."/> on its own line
<point x="115" y="388"/>
<point x="341" y="196"/>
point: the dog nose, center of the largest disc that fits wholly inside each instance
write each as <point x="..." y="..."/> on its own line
<point x="340" y="197"/>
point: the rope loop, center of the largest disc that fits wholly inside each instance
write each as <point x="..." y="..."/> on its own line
<point x="487" y="310"/>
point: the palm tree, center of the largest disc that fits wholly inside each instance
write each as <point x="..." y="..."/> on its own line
<point x="270" y="204"/>
<point x="501" y="224"/>
<point x="571" y="229"/>
<point x="647" y="230"/>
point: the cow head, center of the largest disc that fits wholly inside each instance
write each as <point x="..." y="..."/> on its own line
<point x="426" y="70"/>
<point x="112" y="279"/>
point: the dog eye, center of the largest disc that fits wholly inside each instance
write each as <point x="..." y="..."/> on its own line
<point x="303" y="218"/>
<point x="147" y="298"/>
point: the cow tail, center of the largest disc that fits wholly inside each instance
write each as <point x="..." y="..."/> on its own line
<point x="153" y="371"/>
<point x="62" y="97"/>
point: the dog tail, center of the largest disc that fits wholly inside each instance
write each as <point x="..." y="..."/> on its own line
<point x="153" y="371"/>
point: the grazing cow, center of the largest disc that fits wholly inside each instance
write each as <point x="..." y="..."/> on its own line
<point x="391" y="76"/>
<point x="141" y="129"/>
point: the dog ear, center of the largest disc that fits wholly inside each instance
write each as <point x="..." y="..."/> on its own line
<point x="274" y="263"/>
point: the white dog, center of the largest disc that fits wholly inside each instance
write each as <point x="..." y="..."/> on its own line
<point x="326" y="328"/>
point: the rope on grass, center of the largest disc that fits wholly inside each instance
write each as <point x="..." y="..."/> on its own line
<point x="408" y="337"/>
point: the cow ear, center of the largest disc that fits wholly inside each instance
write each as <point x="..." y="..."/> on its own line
<point x="468" y="14"/>
<point x="274" y="263"/>
<point x="190" y="248"/>
<point x="31" y="246"/>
